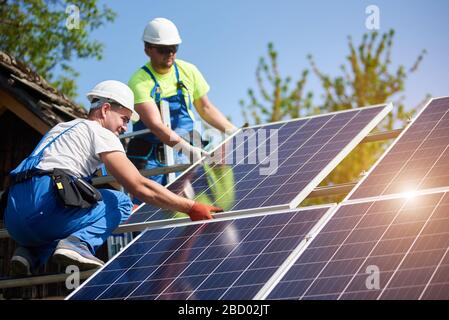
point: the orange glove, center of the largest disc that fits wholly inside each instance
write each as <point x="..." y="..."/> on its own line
<point x="201" y="211"/>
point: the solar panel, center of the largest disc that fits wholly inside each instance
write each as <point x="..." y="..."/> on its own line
<point x="222" y="259"/>
<point x="394" y="248"/>
<point x="418" y="160"/>
<point x="304" y="152"/>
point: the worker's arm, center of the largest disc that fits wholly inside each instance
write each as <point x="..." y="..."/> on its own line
<point x="212" y="115"/>
<point x="151" y="117"/>
<point x="149" y="191"/>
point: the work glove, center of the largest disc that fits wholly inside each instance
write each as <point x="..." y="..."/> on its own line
<point x="193" y="153"/>
<point x="230" y="131"/>
<point x="198" y="153"/>
<point x="201" y="211"/>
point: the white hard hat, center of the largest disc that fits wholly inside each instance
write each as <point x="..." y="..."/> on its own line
<point x="161" y="31"/>
<point x="117" y="91"/>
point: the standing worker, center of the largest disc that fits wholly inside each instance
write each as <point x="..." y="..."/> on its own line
<point x="182" y="86"/>
<point x="51" y="207"/>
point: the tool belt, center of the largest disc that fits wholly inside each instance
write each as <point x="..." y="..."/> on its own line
<point x="140" y="150"/>
<point x="72" y="191"/>
<point x="28" y="174"/>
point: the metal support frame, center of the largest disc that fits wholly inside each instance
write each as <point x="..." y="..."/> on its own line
<point x="4" y="234"/>
<point x="168" y="151"/>
<point x="384" y="135"/>
<point x="41" y="279"/>
<point x="145" y="172"/>
<point x="335" y="190"/>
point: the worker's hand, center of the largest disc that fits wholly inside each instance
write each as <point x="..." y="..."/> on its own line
<point x="193" y="153"/>
<point x="230" y="131"/>
<point x="198" y="153"/>
<point x="201" y="211"/>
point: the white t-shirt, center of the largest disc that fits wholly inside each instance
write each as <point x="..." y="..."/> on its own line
<point x="78" y="149"/>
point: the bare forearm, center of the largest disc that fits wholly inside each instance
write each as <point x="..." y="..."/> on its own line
<point x="155" y="194"/>
<point x="144" y="189"/>
<point x="215" y="118"/>
<point x="150" y="116"/>
<point x="165" y="134"/>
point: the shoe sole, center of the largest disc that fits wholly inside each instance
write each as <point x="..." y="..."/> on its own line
<point x="19" y="267"/>
<point x="67" y="257"/>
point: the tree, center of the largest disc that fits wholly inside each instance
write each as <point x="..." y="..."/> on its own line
<point x="370" y="79"/>
<point x="39" y="33"/>
<point x="280" y="101"/>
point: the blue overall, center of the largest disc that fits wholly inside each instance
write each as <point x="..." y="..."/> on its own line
<point x="36" y="218"/>
<point x="181" y="123"/>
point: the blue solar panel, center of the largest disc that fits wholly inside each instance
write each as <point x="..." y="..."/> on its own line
<point x="418" y="160"/>
<point x="304" y="152"/>
<point x="384" y="249"/>
<point x="229" y="259"/>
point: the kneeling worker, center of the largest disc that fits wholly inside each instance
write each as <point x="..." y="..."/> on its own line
<point x="51" y="210"/>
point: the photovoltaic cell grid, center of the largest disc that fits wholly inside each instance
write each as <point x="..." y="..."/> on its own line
<point x="304" y="151"/>
<point x="229" y="259"/>
<point x="419" y="159"/>
<point x="404" y="240"/>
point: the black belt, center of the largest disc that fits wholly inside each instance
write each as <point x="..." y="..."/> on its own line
<point x="28" y="174"/>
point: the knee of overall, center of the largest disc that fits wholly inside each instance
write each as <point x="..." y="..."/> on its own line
<point x="125" y="205"/>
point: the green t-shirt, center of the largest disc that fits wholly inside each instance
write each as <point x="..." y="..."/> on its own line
<point x="142" y="84"/>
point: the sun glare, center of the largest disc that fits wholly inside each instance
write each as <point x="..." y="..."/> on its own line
<point x="409" y="194"/>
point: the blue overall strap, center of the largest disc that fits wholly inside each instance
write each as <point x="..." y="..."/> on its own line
<point x="89" y="178"/>
<point x="27" y="168"/>
<point x="156" y="91"/>
<point x="180" y="85"/>
<point x="52" y="140"/>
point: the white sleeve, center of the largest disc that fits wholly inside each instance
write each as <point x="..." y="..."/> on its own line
<point x="105" y="141"/>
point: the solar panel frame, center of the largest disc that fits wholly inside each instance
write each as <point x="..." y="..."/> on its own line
<point x="348" y="198"/>
<point x="224" y="217"/>
<point x="302" y="194"/>
<point x="289" y="262"/>
<point x="443" y="191"/>
<point x="341" y="155"/>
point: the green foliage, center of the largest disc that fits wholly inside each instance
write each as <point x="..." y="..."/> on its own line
<point x="279" y="100"/>
<point x="369" y="78"/>
<point x="35" y="32"/>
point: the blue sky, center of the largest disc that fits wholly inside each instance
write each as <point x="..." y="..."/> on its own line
<point x="225" y="39"/>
